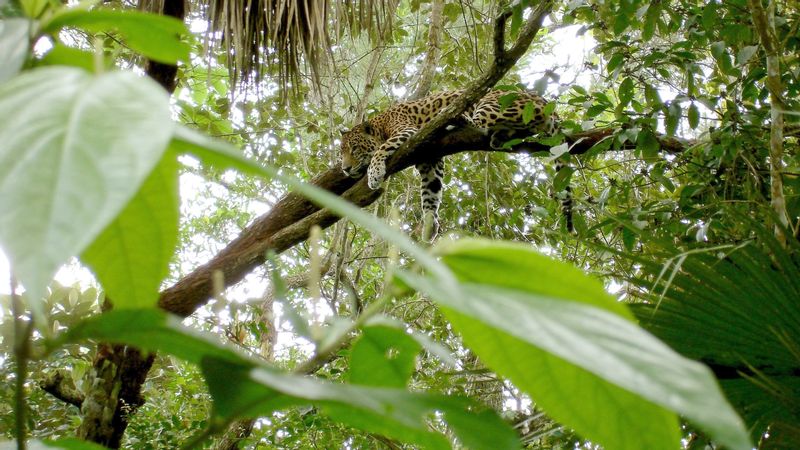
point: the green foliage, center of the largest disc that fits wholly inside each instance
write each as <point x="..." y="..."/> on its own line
<point x="383" y="356"/>
<point x="153" y="36"/>
<point x="13" y="46"/>
<point x="470" y="340"/>
<point x="131" y="256"/>
<point x="89" y="163"/>
<point x="579" y="352"/>
<point x="758" y="282"/>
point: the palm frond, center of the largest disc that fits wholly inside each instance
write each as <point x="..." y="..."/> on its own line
<point x="281" y="37"/>
<point x="737" y="309"/>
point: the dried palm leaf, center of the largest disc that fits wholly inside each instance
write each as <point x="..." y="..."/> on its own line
<point x="281" y="36"/>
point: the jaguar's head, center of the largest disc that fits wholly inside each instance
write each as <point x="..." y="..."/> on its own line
<point x="357" y="148"/>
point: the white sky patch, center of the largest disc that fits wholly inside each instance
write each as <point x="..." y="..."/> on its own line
<point x="570" y="52"/>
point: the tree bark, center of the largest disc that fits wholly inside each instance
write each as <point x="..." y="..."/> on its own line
<point x="428" y="70"/>
<point x="764" y="22"/>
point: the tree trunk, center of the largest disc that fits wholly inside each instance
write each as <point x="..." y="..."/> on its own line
<point x="764" y="22"/>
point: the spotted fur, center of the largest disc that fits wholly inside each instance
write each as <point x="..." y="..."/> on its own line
<point x="368" y="145"/>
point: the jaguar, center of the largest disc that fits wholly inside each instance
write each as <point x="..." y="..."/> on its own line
<point x="368" y="145"/>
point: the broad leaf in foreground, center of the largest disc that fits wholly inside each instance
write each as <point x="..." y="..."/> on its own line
<point x="154" y="330"/>
<point x="592" y="360"/>
<point x="76" y="148"/>
<point x="244" y="387"/>
<point x="14" y="43"/>
<point x="131" y="256"/>
<point x="246" y="391"/>
<point x="154" y="36"/>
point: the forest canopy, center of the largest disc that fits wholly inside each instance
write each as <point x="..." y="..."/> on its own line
<point x="187" y="265"/>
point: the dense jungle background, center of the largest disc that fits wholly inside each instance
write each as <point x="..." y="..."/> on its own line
<point x="170" y="286"/>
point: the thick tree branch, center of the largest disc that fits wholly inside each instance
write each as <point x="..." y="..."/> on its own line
<point x="290" y="220"/>
<point x="504" y="60"/>
<point x="63" y="388"/>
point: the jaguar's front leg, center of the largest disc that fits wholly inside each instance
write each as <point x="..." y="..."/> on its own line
<point x="377" y="165"/>
<point x="431" y="176"/>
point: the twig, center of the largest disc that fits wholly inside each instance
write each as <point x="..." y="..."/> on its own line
<point x="22" y="334"/>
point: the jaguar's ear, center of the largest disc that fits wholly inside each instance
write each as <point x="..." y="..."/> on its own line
<point x="343" y="131"/>
<point x="367" y="128"/>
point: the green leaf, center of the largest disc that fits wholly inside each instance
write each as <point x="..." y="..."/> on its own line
<point x="452" y="11"/>
<point x="33" y="8"/>
<point x="592" y="360"/>
<point x="561" y="180"/>
<point x="647" y="145"/>
<point x="621" y="21"/>
<point x="154" y="36"/>
<point x="709" y="18"/>
<point x="516" y="18"/>
<point x="650" y="20"/>
<point x="625" y="91"/>
<point x="248" y="391"/>
<point x="549" y="108"/>
<point x="614" y="62"/>
<point x="579" y="89"/>
<point x="154" y="330"/>
<point x="88" y="144"/>
<point x="506" y="100"/>
<point x="652" y="96"/>
<point x="745" y="54"/>
<point x="61" y="55"/>
<point x="383" y="356"/>
<point x="720" y="52"/>
<point x="68" y="444"/>
<point x="673" y="117"/>
<point x="501" y="263"/>
<point x="595" y="110"/>
<point x="628" y="239"/>
<point x="131" y="257"/>
<point x="694" y="116"/>
<point x="14" y="43"/>
<point x="527" y="112"/>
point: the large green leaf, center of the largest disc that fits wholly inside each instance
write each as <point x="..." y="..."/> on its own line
<point x="151" y="329"/>
<point x="68" y="444"/>
<point x="516" y="266"/>
<point x="154" y="36"/>
<point x="591" y="360"/>
<point x="14" y="43"/>
<point x="244" y="387"/>
<point x="247" y="391"/>
<point x="131" y="256"/>
<point x="76" y="148"/>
